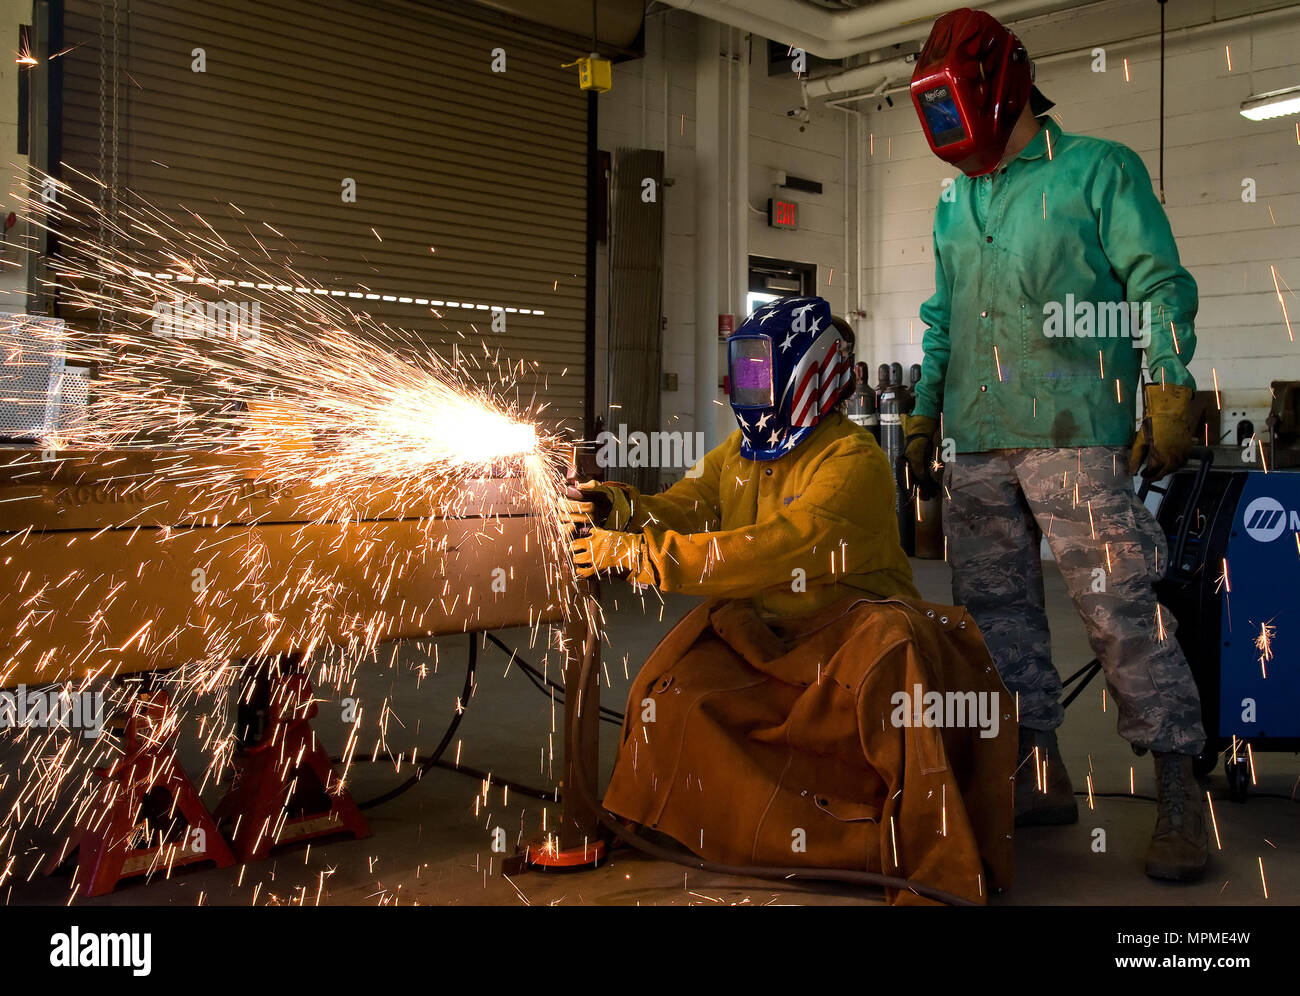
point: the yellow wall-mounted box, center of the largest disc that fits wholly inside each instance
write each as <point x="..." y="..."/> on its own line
<point x="595" y="73"/>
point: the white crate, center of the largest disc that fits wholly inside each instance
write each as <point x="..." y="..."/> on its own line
<point x="32" y="376"/>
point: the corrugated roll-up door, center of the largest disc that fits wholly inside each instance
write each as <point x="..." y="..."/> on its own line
<point x="470" y="184"/>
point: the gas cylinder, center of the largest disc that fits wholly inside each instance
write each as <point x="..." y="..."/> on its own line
<point x="862" y="404"/>
<point x="893" y="400"/>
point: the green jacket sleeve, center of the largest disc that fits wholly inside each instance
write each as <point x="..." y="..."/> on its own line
<point x="936" y="313"/>
<point x="1138" y="242"/>
<point x="838" y="526"/>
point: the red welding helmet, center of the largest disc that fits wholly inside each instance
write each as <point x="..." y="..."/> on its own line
<point x="970" y="84"/>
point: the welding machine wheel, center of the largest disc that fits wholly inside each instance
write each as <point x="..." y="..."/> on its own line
<point x="1237" y="768"/>
<point x="1206" y="761"/>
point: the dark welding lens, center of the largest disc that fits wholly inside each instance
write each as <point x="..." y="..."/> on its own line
<point x="942" y="117"/>
<point x="750" y="360"/>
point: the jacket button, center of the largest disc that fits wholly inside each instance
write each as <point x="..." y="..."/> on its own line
<point x="984" y="387"/>
<point x="767" y="471"/>
<point x="988" y="238"/>
<point x="984" y="314"/>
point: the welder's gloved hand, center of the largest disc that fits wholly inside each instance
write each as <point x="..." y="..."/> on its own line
<point x="918" y="450"/>
<point x="606" y="506"/>
<point x="1163" y="439"/>
<point x="604" y="551"/>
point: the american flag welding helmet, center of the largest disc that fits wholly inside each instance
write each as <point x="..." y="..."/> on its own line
<point x="786" y="371"/>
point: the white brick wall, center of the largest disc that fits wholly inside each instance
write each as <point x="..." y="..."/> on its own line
<point x="632" y="114"/>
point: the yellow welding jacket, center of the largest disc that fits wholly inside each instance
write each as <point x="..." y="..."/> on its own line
<point x="793" y="534"/>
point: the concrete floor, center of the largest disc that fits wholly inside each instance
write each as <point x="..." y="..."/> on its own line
<point x="432" y="845"/>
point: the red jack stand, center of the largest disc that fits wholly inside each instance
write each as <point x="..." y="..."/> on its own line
<point x="285" y="790"/>
<point x="145" y="785"/>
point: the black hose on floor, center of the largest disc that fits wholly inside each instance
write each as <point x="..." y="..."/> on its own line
<point x="545" y="795"/>
<point x="430" y="762"/>
<point x="543" y="683"/>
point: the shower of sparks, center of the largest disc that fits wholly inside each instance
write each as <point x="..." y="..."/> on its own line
<point x="1282" y="301"/>
<point x="313" y="414"/>
<point x="1264" y="644"/>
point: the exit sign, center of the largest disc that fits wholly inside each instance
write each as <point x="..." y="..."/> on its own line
<point x="782" y="214"/>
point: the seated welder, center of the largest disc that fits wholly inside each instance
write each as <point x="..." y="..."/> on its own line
<point x="808" y="713"/>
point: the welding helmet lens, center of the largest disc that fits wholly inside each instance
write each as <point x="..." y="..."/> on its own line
<point x="941" y="117"/>
<point x="749" y="359"/>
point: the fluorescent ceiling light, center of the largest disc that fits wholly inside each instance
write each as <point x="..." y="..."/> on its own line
<point x="1277" y="104"/>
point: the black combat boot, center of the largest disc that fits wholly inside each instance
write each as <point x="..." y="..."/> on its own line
<point x="1038" y="803"/>
<point x="1179" y="847"/>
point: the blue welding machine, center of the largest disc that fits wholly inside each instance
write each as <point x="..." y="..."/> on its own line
<point x="1233" y="585"/>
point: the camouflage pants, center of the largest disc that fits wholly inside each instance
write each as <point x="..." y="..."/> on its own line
<point x="1109" y="548"/>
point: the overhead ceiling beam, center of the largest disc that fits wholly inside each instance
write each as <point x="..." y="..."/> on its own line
<point x="840" y="34"/>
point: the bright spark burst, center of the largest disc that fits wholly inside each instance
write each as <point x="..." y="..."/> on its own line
<point x="215" y="423"/>
<point x="1264" y="644"/>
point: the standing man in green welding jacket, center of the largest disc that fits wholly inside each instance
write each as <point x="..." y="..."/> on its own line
<point x="1055" y="269"/>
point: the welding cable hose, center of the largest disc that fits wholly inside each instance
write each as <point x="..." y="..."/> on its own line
<point x="546" y="685"/>
<point x="430" y="762"/>
<point x="767" y="872"/>
<point x="478" y="774"/>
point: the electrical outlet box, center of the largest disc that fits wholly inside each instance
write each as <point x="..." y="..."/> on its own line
<point x="595" y="73"/>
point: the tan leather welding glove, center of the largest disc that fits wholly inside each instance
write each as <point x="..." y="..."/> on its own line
<point x="603" y="551"/>
<point x="599" y="504"/>
<point x="1163" y="440"/>
<point x="918" y="450"/>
